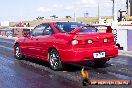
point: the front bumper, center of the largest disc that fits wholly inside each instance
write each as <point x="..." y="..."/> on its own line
<point x="84" y="54"/>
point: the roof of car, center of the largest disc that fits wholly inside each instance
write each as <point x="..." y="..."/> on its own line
<point x="52" y="22"/>
<point x="59" y="21"/>
<point x="63" y="21"/>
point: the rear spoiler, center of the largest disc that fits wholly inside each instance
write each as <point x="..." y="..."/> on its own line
<point x="108" y="30"/>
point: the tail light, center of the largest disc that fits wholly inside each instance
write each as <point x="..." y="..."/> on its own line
<point x="109" y="40"/>
<point x="74" y="42"/>
<point x="81" y="42"/>
<point x="90" y="41"/>
<point x="105" y="40"/>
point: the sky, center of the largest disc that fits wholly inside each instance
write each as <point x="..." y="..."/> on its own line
<point x="19" y="10"/>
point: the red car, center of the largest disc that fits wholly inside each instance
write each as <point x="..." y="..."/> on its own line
<point x="60" y="42"/>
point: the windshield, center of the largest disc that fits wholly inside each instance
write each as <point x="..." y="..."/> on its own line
<point x="67" y="26"/>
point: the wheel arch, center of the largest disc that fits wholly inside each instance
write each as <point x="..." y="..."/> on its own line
<point x="16" y="43"/>
<point x="51" y="49"/>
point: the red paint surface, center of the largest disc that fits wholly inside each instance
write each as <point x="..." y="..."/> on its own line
<point x="37" y="47"/>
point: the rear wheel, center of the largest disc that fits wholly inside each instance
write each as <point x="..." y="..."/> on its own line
<point x="18" y="54"/>
<point x="55" y="60"/>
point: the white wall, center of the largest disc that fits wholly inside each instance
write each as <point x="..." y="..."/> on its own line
<point x="122" y="38"/>
<point x="5" y="23"/>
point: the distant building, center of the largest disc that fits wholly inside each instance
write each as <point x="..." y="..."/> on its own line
<point x="19" y="28"/>
<point x="4" y="23"/>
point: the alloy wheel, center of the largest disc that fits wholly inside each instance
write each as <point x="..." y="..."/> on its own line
<point x="54" y="60"/>
<point x="18" y="53"/>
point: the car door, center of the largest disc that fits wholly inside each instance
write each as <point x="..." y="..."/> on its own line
<point x="44" y="41"/>
<point x="30" y="42"/>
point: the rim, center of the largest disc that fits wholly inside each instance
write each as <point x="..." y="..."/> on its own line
<point x="18" y="53"/>
<point x="54" y="60"/>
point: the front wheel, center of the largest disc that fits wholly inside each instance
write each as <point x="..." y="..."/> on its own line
<point x="55" y="60"/>
<point x="18" y="54"/>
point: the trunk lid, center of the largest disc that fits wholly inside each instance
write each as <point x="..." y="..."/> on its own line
<point x="97" y="39"/>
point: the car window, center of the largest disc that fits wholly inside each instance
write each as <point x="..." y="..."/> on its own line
<point x="43" y="29"/>
<point x="88" y="29"/>
<point x="48" y="30"/>
<point x="67" y="26"/>
<point x="37" y="31"/>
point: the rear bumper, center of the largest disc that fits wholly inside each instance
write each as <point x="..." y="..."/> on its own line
<point x="87" y="54"/>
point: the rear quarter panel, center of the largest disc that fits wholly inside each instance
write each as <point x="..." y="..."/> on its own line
<point x="62" y="39"/>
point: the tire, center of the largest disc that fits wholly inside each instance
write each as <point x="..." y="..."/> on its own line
<point x="55" y="60"/>
<point x="100" y="62"/>
<point x="18" y="53"/>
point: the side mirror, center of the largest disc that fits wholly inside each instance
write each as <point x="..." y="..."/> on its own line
<point x="26" y="34"/>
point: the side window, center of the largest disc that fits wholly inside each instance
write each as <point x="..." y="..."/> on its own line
<point x="38" y="30"/>
<point x="48" y="30"/>
<point x="43" y="29"/>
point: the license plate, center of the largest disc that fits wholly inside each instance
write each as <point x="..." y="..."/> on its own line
<point x="99" y="55"/>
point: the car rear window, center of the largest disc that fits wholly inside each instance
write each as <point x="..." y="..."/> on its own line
<point x="67" y="26"/>
<point x="88" y="29"/>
